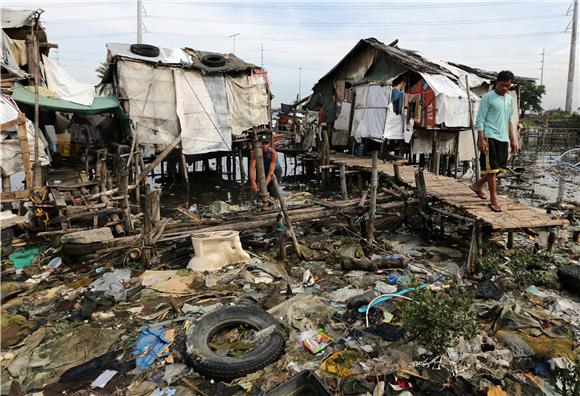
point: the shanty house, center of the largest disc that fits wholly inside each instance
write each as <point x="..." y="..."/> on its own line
<point x="205" y="98"/>
<point x="386" y="93"/>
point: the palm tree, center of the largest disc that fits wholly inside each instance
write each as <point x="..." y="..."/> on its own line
<point x="101" y="73"/>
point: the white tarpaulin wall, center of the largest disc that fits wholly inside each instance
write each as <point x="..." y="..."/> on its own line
<point x="10" y="152"/>
<point x="150" y="101"/>
<point x="451" y="101"/>
<point x="65" y="86"/>
<point x="164" y="102"/>
<point x="200" y="130"/>
<point x="370" y="111"/>
<point x="247" y="101"/>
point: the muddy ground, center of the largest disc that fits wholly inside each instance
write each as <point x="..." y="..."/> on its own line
<point x="509" y="327"/>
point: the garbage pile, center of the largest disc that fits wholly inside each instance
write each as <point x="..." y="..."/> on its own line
<point x="398" y="317"/>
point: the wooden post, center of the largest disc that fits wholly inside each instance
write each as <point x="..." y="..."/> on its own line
<point x="242" y="168"/>
<point x="234" y="166"/>
<point x="473" y="130"/>
<point x="373" y="203"/>
<point x="479" y="239"/>
<point x="323" y="159"/>
<point x="185" y="175"/>
<point x="123" y="191"/>
<point x="155" y="206"/>
<point x="434" y="154"/>
<point x="343" y="181"/>
<point x="260" y="172"/>
<point x="551" y="241"/>
<point x="25" y="150"/>
<point x="359" y="181"/>
<point x="147" y="212"/>
<point x="229" y="166"/>
<point x="456" y="155"/>
<point x="397" y="171"/>
<point x="6" y="187"/>
<point x="510" y="240"/>
<point x="282" y="245"/>
<point x="33" y="69"/>
<point x="287" y="217"/>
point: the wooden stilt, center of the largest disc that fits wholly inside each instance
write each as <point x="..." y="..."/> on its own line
<point x="260" y="172"/>
<point x="343" y="181"/>
<point x="510" y="240"/>
<point x="234" y="166"/>
<point x="373" y="203"/>
<point x="229" y="166"/>
<point x="434" y="154"/>
<point x="25" y="151"/>
<point x="242" y="167"/>
<point x="290" y="229"/>
<point x="6" y="187"/>
<point x="551" y="241"/>
<point x="397" y="171"/>
<point x="185" y="176"/>
<point x="456" y="155"/>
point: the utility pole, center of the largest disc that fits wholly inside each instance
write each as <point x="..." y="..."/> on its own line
<point x="262" y="57"/>
<point x="139" y="22"/>
<point x="234" y="37"/>
<point x="300" y="82"/>
<point x="542" y="74"/>
<point x="572" y="62"/>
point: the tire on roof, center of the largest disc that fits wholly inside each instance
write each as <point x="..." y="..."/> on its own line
<point x="150" y="51"/>
<point x="214" y="60"/>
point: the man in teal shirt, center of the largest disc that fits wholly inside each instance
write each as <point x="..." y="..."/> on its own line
<point x="495" y="135"/>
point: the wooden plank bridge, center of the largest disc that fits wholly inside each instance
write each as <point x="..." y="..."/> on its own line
<point x="456" y="193"/>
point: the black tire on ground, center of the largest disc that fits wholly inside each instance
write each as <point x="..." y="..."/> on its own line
<point x="570" y="278"/>
<point x="214" y="60"/>
<point x="150" y="51"/>
<point x="226" y="368"/>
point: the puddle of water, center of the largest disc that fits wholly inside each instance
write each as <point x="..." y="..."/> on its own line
<point x="541" y="179"/>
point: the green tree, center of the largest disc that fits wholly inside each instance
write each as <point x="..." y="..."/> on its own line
<point x="101" y="73"/>
<point x="531" y="98"/>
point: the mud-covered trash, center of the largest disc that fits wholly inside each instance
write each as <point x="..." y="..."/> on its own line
<point x="570" y="278"/>
<point x="488" y="290"/>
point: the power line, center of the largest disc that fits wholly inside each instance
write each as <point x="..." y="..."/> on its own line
<point x="349" y="5"/>
<point x="85" y="20"/>
<point x="335" y="39"/>
<point x="338" y="24"/>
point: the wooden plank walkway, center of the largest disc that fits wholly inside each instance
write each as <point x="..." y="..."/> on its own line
<point x="456" y="193"/>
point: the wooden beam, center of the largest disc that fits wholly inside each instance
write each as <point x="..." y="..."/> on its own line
<point x="9" y="124"/>
<point x="158" y="159"/>
<point x="8" y="196"/>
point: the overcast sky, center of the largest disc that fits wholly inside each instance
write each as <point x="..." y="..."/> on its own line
<point x="315" y="35"/>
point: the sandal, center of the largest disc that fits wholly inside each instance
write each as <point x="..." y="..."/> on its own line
<point x="495" y="208"/>
<point x="479" y="193"/>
